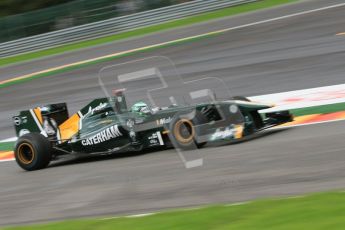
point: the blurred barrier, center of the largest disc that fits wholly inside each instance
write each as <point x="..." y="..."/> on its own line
<point x="113" y="26"/>
<point x="70" y="14"/>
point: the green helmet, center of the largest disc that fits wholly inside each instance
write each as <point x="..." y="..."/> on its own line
<point x="140" y="107"/>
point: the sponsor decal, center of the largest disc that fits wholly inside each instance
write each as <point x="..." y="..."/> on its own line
<point x="222" y="134"/>
<point x="20" y="120"/>
<point x="153" y="141"/>
<point x="97" y="108"/>
<point x="233" y="108"/>
<point x="163" y="121"/>
<point x="232" y="131"/>
<point x="17" y="121"/>
<point x="156" y="139"/>
<point x="105" y="135"/>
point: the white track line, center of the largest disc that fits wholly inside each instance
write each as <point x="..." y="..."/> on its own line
<point x="141" y="215"/>
<point x="199" y="208"/>
<point x="237" y="204"/>
<point x="287" y="16"/>
<point x="12" y="139"/>
<point x="6" y="160"/>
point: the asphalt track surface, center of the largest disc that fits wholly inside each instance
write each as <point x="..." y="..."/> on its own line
<point x="295" y="53"/>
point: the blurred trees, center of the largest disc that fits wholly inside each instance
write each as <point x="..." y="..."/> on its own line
<point x="9" y="7"/>
<point x="24" y="18"/>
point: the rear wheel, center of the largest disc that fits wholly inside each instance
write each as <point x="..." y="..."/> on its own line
<point x="33" y="151"/>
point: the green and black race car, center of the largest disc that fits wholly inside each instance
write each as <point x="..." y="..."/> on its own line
<point x="108" y="126"/>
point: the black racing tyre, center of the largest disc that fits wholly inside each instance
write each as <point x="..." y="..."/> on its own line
<point x="183" y="131"/>
<point x="241" y="98"/>
<point x="33" y="151"/>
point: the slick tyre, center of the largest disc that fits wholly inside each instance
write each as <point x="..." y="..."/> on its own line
<point x="183" y="131"/>
<point x="241" y="98"/>
<point x="33" y="151"/>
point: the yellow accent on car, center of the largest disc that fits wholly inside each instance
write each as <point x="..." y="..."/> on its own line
<point x="38" y="114"/>
<point x="70" y="127"/>
<point x="239" y="131"/>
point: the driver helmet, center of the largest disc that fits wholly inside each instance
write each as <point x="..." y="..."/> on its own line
<point x="140" y="107"/>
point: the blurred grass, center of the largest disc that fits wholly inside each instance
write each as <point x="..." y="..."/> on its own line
<point x="318" y="211"/>
<point x="7" y="146"/>
<point x="147" y="30"/>
<point x="331" y="108"/>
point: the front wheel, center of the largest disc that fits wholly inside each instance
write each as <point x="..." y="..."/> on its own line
<point x="241" y="98"/>
<point x="183" y="130"/>
<point x="33" y="151"/>
<point x="182" y="133"/>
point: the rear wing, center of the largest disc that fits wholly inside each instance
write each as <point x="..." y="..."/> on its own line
<point x="33" y="121"/>
<point x="53" y="121"/>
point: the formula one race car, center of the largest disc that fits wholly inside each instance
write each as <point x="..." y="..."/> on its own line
<point x="107" y="126"/>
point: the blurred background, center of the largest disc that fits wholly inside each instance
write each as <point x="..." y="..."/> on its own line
<point x="22" y="18"/>
<point x="287" y="52"/>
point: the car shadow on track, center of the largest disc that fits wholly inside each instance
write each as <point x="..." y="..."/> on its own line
<point x="95" y="158"/>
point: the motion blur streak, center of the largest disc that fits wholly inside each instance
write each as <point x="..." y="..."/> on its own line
<point x="169" y="42"/>
<point x="297" y="53"/>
